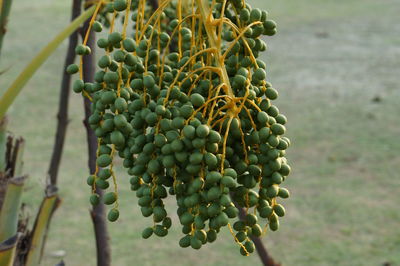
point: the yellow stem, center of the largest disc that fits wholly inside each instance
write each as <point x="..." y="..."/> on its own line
<point x="207" y="19"/>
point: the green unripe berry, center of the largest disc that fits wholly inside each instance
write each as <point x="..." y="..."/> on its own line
<point x="228" y="36"/>
<point x="213" y="193"/>
<point x="214" y="209"/>
<point x="279" y="210"/>
<point x="184" y="242"/>
<point x="244" y="15"/>
<point x="102" y="43"/>
<point x="222" y="219"/>
<point x="283" y="193"/>
<point x="111" y="77"/>
<point x="211" y="236"/>
<point x="115" y="38"/>
<point x="120" y="121"/>
<point x="164" y="37"/>
<point x="189" y="132"/>
<point x="213" y="177"/>
<point x="143" y="44"/>
<point x="151" y="119"/>
<point x="167" y="222"/>
<point x="97" y="27"/>
<point x="94" y="199"/>
<point x="195" y="243"/>
<point x="159" y="214"/>
<point x="249" y="245"/>
<point x="265" y="212"/>
<point x="273" y="140"/>
<point x="259" y="74"/>
<point x="214" y="137"/>
<point x="272" y="191"/>
<point x="173" y="57"/>
<point x="251" y="219"/>
<point x="201" y="235"/>
<point x="243" y="251"/>
<point x="117" y="138"/>
<point x="147" y="232"/>
<point x="274" y="222"/>
<point x="262" y="117"/>
<point x="104" y="160"/>
<point x="228" y="181"/>
<point x="202" y="131"/>
<point x="255" y="15"/>
<point x="271" y="93"/>
<point x="239" y="226"/>
<point x="104" y="61"/>
<point x="230" y="172"/>
<point x="154" y="167"/>
<point x="137" y="84"/>
<point x="186" y="218"/>
<point x="211" y="160"/>
<point x="178" y="122"/>
<point x="72" y="69"/>
<point x="121" y="105"/>
<point x="278" y="129"/>
<point x="256" y="230"/>
<point x="120" y="5"/>
<point x="241" y="236"/>
<point x="78" y="86"/>
<point x="129" y="45"/>
<point x="281" y="119"/>
<point x="119" y="56"/>
<point x="109" y="198"/>
<point x="104" y="173"/>
<point x="113" y="215"/>
<point x="90" y="180"/>
<point x="269" y="24"/>
<point x="160" y="140"/>
<point x="197" y="100"/>
<point x="148" y="81"/>
<point x="239" y="81"/>
<point x="196" y="158"/>
<point x="80" y="49"/>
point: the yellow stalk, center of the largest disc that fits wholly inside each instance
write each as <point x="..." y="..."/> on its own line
<point x="7" y="250"/>
<point x="48" y="206"/>
<point x="10" y="209"/>
<point x="208" y="19"/>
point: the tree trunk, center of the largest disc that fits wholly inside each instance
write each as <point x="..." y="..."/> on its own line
<point x="98" y="213"/>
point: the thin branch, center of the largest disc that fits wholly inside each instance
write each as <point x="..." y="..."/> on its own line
<point x="98" y="213"/>
<point x="62" y="116"/>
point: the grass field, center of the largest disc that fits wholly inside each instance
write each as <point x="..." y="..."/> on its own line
<point x="336" y="65"/>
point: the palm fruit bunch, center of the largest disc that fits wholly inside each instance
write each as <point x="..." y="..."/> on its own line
<point x="182" y="98"/>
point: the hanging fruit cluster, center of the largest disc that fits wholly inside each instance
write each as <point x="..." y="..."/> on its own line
<point x="182" y="98"/>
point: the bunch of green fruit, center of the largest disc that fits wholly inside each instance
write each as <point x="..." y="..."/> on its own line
<point x="182" y="98"/>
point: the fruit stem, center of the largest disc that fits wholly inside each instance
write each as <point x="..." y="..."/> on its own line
<point x="209" y="21"/>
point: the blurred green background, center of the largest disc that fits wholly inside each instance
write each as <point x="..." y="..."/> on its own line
<point x="336" y="65"/>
